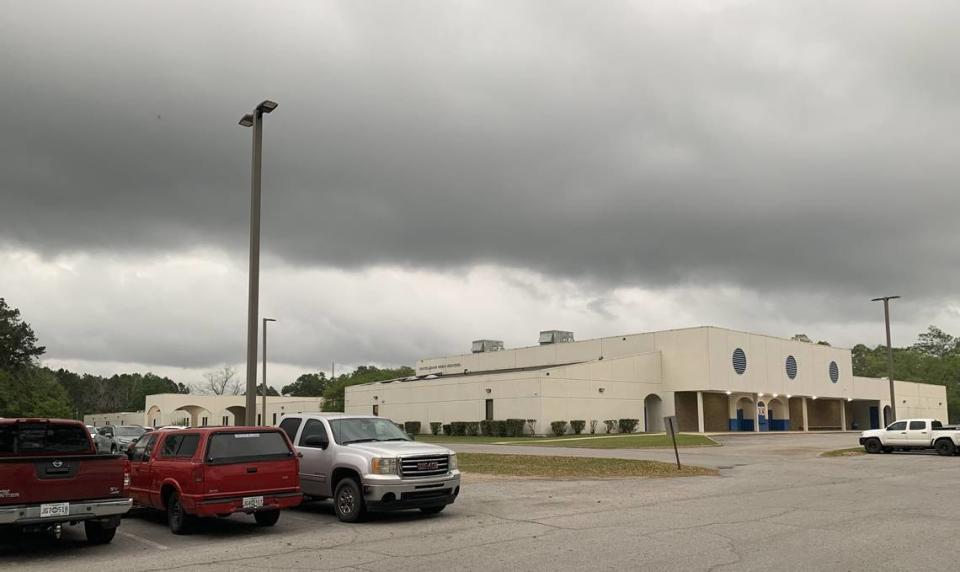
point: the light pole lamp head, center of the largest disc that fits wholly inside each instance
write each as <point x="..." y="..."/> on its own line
<point x="269" y="320"/>
<point x="882" y="298"/>
<point x="247" y="120"/>
<point x="267" y="106"/>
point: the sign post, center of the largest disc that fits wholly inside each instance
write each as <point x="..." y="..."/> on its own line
<point x="670" y="423"/>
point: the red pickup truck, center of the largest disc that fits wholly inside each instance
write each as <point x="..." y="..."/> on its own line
<point x="51" y="475"/>
<point x="215" y="471"/>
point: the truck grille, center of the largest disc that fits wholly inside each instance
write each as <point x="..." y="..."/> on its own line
<point x="425" y="466"/>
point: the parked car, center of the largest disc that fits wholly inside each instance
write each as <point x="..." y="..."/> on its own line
<point x="367" y="463"/>
<point x="215" y="471"/>
<point x="51" y="475"/>
<point x="127" y="434"/>
<point x="908" y="434"/>
<point x="105" y="440"/>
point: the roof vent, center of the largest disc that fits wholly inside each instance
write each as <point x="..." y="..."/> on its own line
<point x="555" y="337"/>
<point x="483" y="346"/>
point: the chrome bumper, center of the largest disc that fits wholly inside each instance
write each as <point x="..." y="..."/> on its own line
<point x="393" y="493"/>
<point x="82" y="510"/>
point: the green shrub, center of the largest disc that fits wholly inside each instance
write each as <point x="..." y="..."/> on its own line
<point x="485" y="429"/>
<point x="499" y="428"/>
<point x="515" y="427"/>
<point x="435" y="427"/>
<point x="628" y="425"/>
<point x="559" y="428"/>
<point x="577" y="425"/>
<point x="472" y="428"/>
<point x="447" y="429"/>
<point x="610" y="423"/>
<point x="458" y="428"/>
<point x="412" y="427"/>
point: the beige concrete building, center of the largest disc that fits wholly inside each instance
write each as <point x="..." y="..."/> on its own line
<point x="203" y="410"/>
<point x="712" y="379"/>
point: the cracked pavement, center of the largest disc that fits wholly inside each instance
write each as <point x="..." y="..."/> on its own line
<point x="778" y="506"/>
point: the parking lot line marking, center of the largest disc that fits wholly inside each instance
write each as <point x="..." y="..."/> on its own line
<point x="156" y="545"/>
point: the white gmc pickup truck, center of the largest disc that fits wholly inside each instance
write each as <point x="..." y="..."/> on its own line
<point x="912" y="434"/>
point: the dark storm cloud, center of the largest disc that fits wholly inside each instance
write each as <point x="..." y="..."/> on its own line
<point x="781" y="146"/>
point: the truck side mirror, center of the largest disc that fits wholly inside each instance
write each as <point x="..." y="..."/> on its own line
<point x="316" y="441"/>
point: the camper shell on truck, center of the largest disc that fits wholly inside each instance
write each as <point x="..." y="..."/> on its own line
<point x="215" y="471"/>
<point x="51" y="475"/>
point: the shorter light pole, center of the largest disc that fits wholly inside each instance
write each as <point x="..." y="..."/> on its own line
<point x="265" y="320"/>
<point x="886" y="317"/>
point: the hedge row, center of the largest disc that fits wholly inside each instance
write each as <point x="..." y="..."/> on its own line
<point x="559" y="428"/>
<point x="515" y="427"/>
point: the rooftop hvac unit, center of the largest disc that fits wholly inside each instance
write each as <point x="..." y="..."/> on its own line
<point x="555" y="337"/>
<point x="483" y="346"/>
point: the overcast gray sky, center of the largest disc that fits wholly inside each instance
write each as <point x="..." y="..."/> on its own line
<point x="443" y="171"/>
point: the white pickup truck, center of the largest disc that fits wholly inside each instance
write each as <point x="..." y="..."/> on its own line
<point x="912" y="434"/>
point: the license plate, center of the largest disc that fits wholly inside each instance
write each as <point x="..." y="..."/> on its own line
<point x="54" y="510"/>
<point x="252" y="502"/>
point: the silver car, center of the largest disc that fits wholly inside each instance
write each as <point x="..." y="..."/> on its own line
<point x="366" y="463"/>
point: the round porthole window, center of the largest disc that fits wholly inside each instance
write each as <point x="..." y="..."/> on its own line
<point x="834" y="372"/>
<point x="739" y="361"/>
<point x="791" y="367"/>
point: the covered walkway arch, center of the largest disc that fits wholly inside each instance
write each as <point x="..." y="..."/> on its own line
<point x="653" y="414"/>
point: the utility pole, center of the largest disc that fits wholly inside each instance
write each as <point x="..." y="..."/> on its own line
<point x="254" y="120"/>
<point x="265" y="320"/>
<point x="886" y="317"/>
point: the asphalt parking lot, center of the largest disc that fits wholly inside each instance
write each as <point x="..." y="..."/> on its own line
<point x="779" y="506"/>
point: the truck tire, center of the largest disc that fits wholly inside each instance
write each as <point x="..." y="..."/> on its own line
<point x="873" y="446"/>
<point x="267" y="517"/>
<point x="432" y="509"/>
<point x="945" y="447"/>
<point x="97" y="533"/>
<point x="348" y="501"/>
<point x="177" y="518"/>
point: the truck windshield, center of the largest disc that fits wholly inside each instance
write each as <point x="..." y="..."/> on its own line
<point x="43" y="439"/>
<point x="365" y="429"/>
<point x="245" y="447"/>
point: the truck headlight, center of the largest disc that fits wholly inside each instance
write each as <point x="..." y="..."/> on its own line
<point x="452" y="465"/>
<point x="383" y="466"/>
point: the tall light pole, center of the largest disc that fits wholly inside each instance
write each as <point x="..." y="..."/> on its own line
<point x="265" y="320"/>
<point x="886" y="317"/>
<point x="254" y="120"/>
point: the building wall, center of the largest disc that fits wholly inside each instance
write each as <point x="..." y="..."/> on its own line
<point x="198" y="410"/>
<point x="123" y="418"/>
<point x="551" y="394"/>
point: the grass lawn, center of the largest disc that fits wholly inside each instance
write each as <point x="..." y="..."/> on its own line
<point x="851" y="452"/>
<point x="571" y="467"/>
<point x="635" y="441"/>
<point x="625" y="442"/>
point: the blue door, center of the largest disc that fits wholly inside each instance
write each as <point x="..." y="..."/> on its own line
<point x="874" y="417"/>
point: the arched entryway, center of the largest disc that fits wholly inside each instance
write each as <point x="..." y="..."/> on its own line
<point x="653" y="414"/>
<point x="154" y="417"/>
<point x="239" y="413"/>
<point x="887" y="415"/>
<point x="777" y="415"/>
<point x="745" y="415"/>
<point x="197" y="416"/>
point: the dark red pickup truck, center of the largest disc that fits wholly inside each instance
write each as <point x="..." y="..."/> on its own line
<point x="51" y="474"/>
<point x="215" y="471"/>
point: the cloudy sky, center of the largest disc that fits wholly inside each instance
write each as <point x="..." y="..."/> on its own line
<point x="444" y="171"/>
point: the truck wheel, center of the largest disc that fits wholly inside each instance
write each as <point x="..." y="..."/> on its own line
<point x="177" y="518"/>
<point x="348" y="501"/>
<point x="97" y="533"/>
<point x="432" y="509"/>
<point x="873" y="446"/>
<point x="945" y="447"/>
<point x="267" y="517"/>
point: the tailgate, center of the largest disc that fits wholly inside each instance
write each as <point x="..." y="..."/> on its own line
<point x="238" y="463"/>
<point x="30" y="480"/>
<point x="245" y="479"/>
